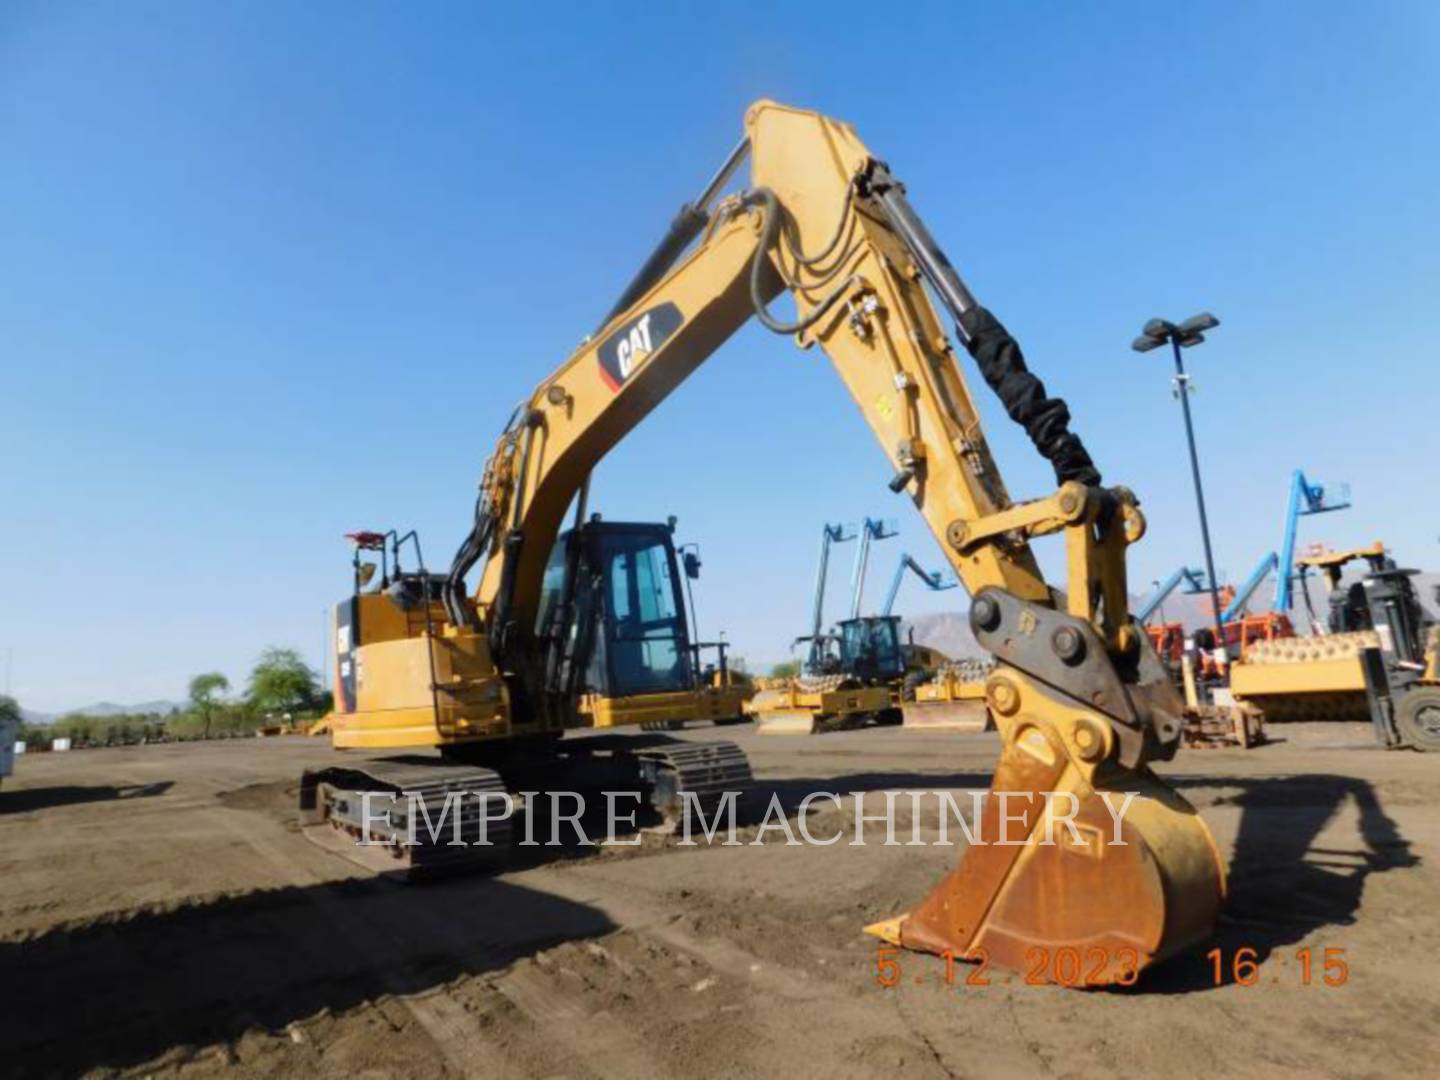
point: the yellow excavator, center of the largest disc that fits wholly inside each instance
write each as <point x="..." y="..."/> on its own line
<point x="501" y="679"/>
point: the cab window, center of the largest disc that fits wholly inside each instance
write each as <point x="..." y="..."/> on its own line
<point x="648" y="647"/>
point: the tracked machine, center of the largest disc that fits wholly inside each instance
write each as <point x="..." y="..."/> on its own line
<point x="612" y="606"/>
<point x="498" y="678"/>
<point x="852" y="673"/>
<point x="953" y="698"/>
<point x="863" y="671"/>
<point x="856" y="683"/>
<point x="940" y="693"/>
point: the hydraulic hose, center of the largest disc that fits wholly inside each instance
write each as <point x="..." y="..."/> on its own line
<point x="769" y="234"/>
<point x="471" y="549"/>
<point x="1045" y="419"/>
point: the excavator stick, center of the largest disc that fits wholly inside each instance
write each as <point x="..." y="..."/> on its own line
<point x="1131" y="878"/>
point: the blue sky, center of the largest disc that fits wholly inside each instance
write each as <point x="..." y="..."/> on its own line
<point x="274" y="272"/>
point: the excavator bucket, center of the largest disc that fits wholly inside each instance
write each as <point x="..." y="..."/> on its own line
<point x="1135" y="880"/>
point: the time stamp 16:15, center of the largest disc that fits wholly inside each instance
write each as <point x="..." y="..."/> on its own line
<point x="1067" y="966"/>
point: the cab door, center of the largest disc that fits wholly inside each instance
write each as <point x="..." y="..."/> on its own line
<point x="643" y="646"/>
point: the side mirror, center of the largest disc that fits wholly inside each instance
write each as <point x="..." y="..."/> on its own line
<point x="692" y="564"/>
<point x="364" y="573"/>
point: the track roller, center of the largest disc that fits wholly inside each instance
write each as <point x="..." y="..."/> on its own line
<point x="388" y="833"/>
<point x="707" y="770"/>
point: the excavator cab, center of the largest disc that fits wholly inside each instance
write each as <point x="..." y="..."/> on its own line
<point x="612" y="611"/>
<point x="614" y="633"/>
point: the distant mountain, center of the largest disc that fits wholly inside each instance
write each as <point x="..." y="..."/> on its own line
<point x="947" y="631"/>
<point x="102" y="708"/>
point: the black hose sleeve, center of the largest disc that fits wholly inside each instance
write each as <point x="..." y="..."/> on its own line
<point x="1045" y="419"/>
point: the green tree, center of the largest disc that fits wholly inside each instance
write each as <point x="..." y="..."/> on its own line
<point x="786" y="670"/>
<point x="204" y="690"/>
<point x="9" y="709"/>
<point x="282" y="682"/>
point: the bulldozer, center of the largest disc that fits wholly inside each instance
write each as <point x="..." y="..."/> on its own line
<point x="851" y="675"/>
<point x="865" y="671"/>
<point x="953" y="698"/>
<point x="511" y="681"/>
<point x="1376" y="657"/>
<point x="939" y="693"/>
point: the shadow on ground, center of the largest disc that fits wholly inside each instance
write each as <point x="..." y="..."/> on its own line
<point x="28" y="799"/>
<point x="1282" y="887"/>
<point x="116" y="994"/>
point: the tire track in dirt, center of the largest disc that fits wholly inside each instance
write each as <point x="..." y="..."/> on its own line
<point x="455" y="1037"/>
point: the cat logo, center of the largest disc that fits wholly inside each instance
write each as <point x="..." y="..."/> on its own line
<point x="634" y="342"/>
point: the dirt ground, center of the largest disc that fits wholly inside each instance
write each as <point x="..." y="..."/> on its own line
<point x="160" y="914"/>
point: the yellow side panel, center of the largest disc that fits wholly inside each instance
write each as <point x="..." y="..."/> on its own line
<point x="393" y="675"/>
<point x="386" y="729"/>
<point x="1311" y="677"/>
<point x="722" y="702"/>
<point x="947" y="690"/>
<point x="396" y="702"/>
<point x="381" y="620"/>
<point x="710" y="703"/>
<point x="865" y="699"/>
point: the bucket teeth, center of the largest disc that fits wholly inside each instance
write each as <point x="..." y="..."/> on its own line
<point x="887" y="930"/>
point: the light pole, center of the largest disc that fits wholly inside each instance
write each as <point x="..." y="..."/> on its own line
<point x="1187" y="334"/>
